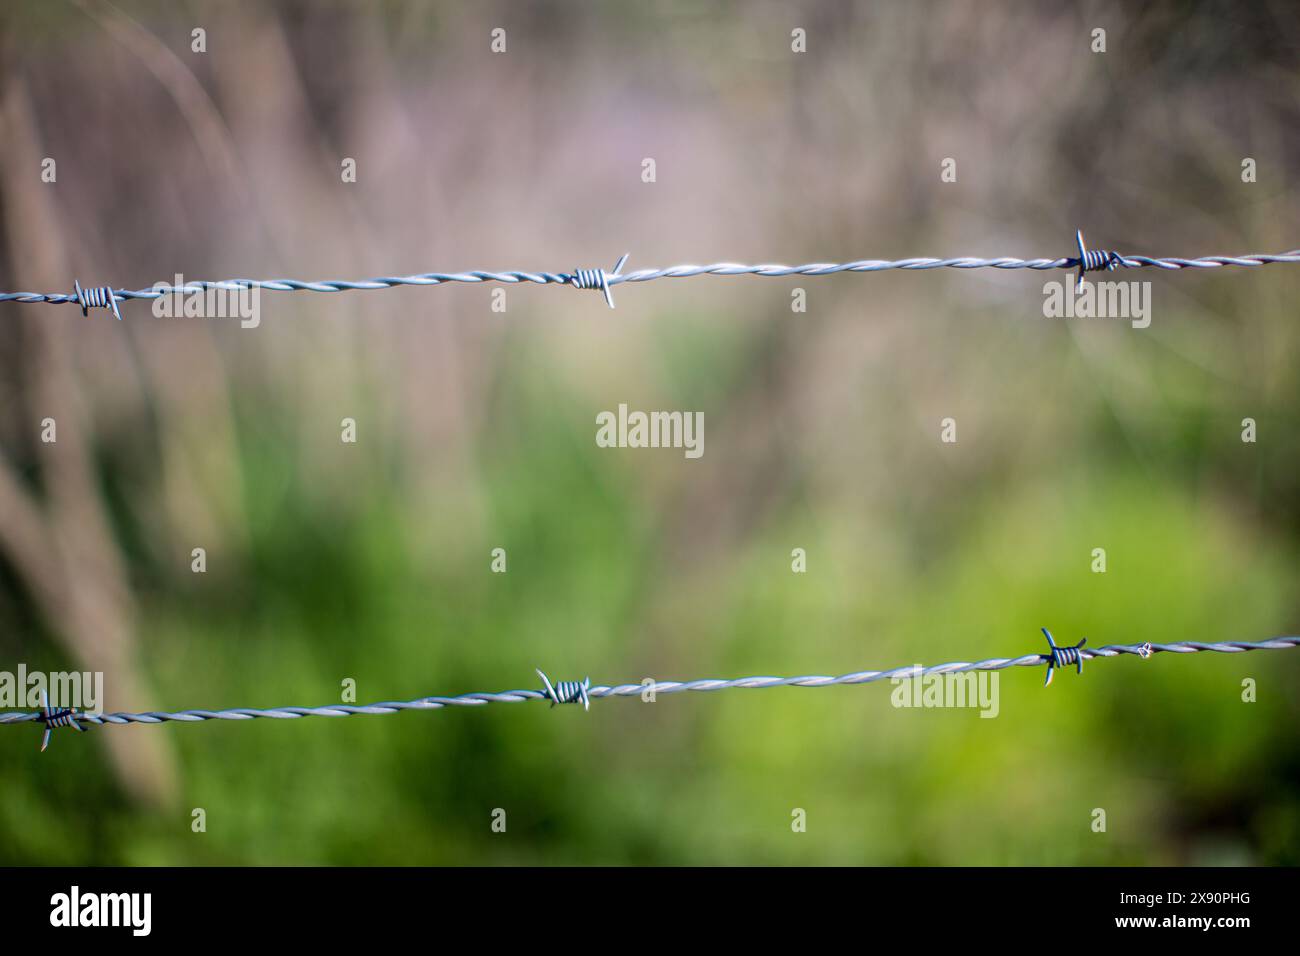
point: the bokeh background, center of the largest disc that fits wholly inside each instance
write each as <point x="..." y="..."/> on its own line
<point x="476" y="430"/>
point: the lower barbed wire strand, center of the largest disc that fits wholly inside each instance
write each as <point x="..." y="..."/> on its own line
<point x="665" y="687"/>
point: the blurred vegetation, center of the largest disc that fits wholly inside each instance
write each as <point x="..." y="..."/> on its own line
<point x="329" y="561"/>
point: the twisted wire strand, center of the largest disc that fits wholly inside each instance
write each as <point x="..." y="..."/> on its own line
<point x="603" y="281"/>
<point x="661" y="687"/>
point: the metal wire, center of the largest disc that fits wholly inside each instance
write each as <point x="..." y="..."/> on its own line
<point x="661" y="687"/>
<point x="603" y="281"/>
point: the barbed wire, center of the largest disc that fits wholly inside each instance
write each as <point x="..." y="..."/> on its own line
<point x="604" y="281"/>
<point x="562" y="692"/>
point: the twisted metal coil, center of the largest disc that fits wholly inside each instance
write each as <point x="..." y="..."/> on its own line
<point x="571" y="694"/>
<point x="603" y="281"/>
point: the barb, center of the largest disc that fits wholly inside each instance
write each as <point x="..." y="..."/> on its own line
<point x="102" y="297"/>
<point x="1093" y="261"/>
<point x="568" y="691"/>
<point x="583" y="692"/>
<point x="600" y="279"/>
<point x="1065" y="656"/>
<point x="63" y="717"/>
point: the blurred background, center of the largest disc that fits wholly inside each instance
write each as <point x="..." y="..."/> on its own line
<point x="475" y="430"/>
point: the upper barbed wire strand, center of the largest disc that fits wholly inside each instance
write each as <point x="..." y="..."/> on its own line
<point x="664" y="687"/>
<point x="603" y="280"/>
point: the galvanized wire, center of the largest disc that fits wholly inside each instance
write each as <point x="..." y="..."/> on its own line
<point x="660" y="687"/>
<point x="603" y="281"/>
